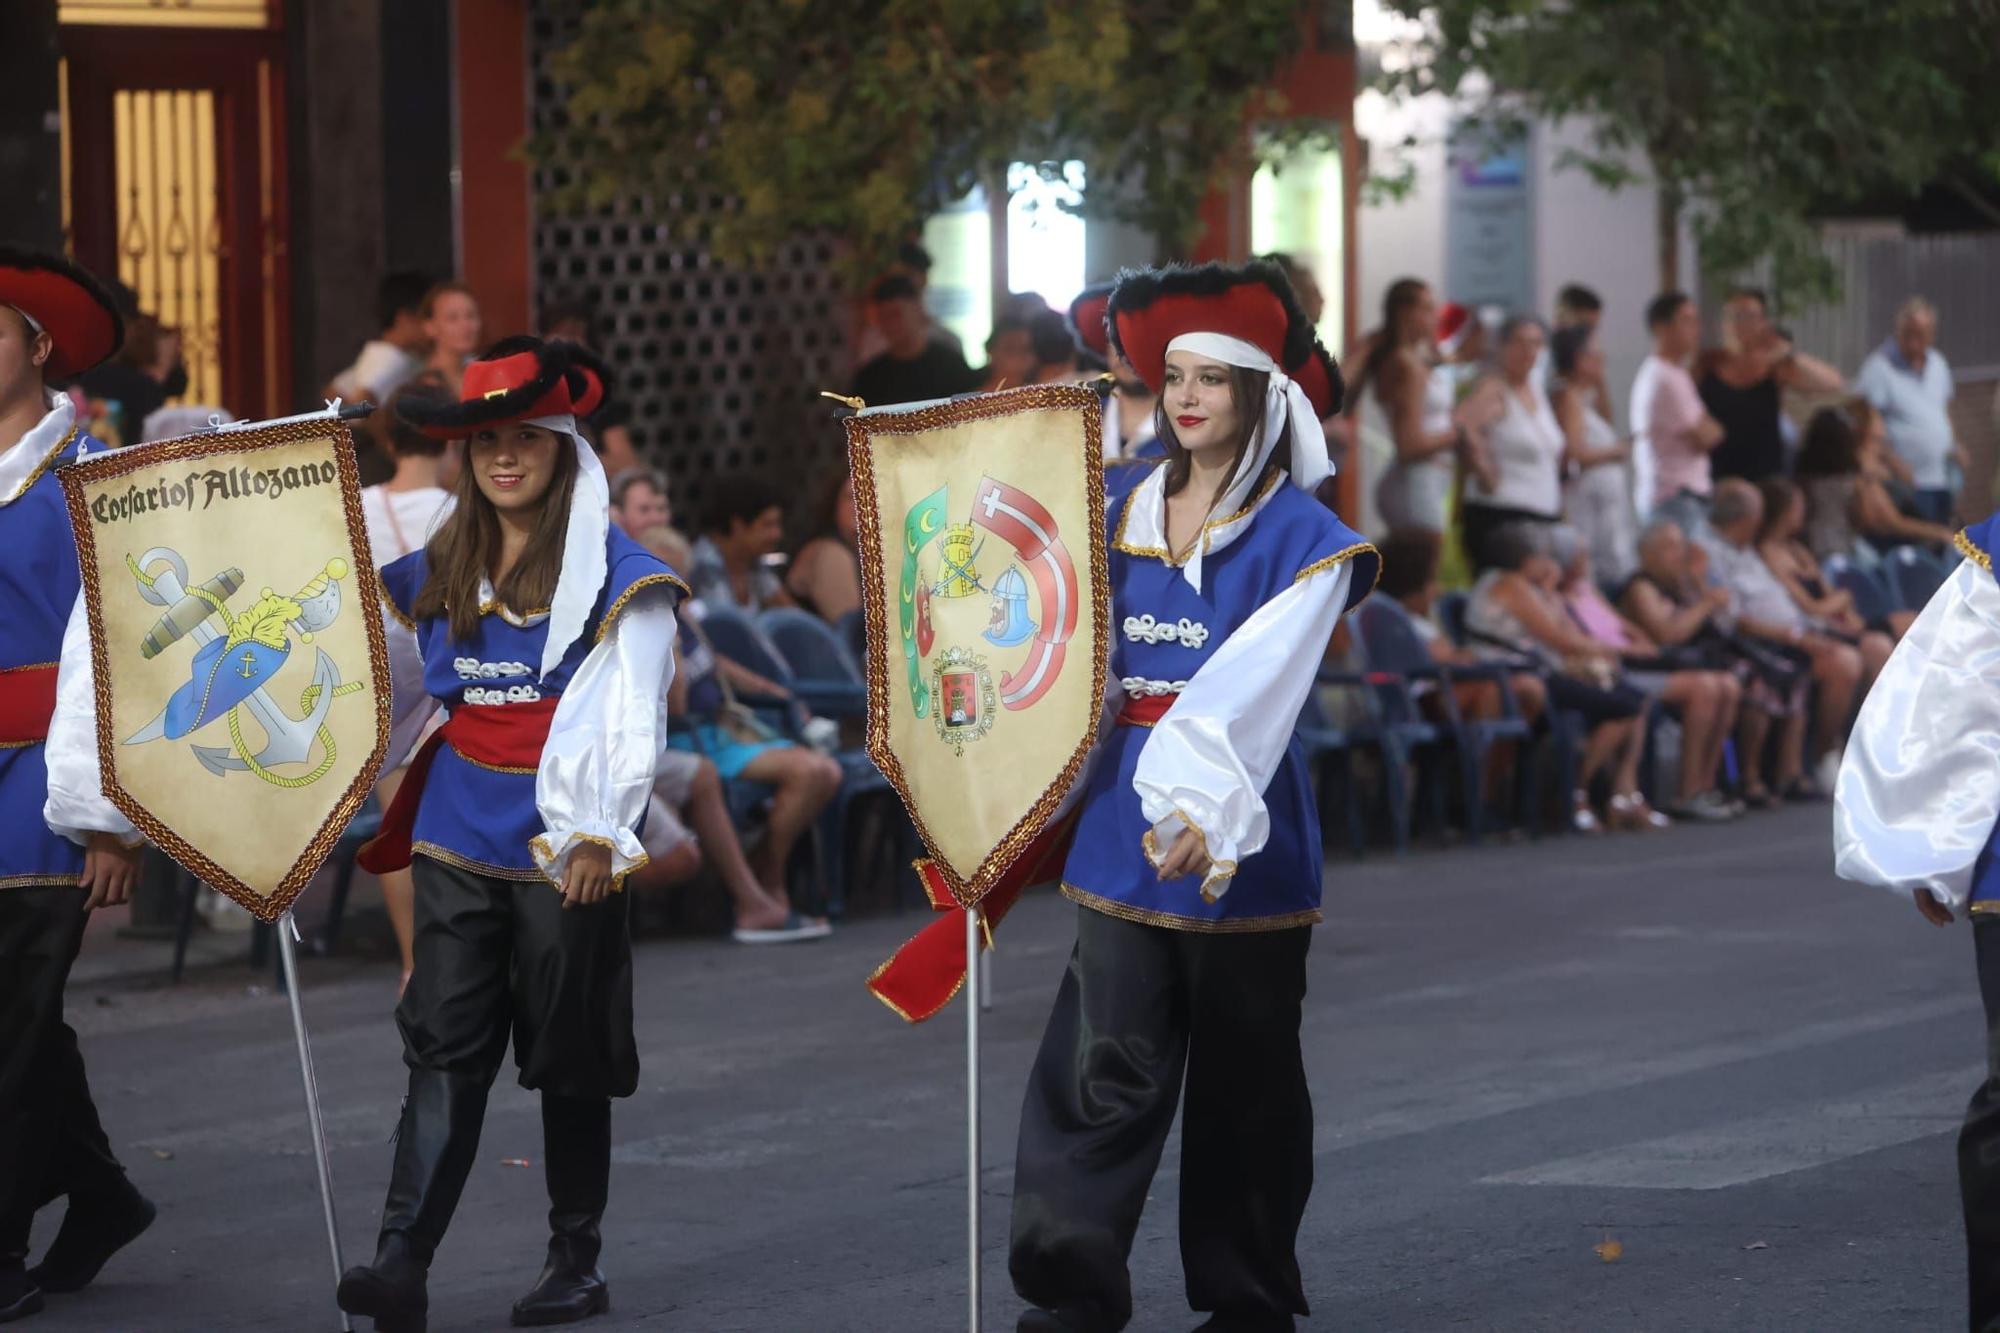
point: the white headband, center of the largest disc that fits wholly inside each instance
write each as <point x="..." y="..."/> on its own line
<point x="34" y="325"/>
<point x="1284" y="401"/>
<point x="583" y="564"/>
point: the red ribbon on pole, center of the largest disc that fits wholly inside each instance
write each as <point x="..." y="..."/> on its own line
<point x="922" y="976"/>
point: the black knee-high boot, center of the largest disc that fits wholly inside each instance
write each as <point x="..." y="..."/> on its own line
<point x="576" y="1151"/>
<point x="436" y="1142"/>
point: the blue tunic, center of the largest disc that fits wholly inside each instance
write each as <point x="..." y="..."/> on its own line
<point x="472" y="815"/>
<point x="1977" y="543"/>
<point x="1107" y="869"/>
<point x="38" y="588"/>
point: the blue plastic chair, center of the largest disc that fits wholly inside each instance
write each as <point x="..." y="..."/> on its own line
<point x="1451" y="614"/>
<point x="1914" y="575"/>
<point x="1389" y="638"/>
<point x="1872" y="597"/>
<point x="825" y="676"/>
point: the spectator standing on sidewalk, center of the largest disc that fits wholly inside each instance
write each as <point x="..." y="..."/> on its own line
<point x="1678" y="428"/>
<point x="1909" y="382"/>
<point x="1600" y="487"/>
<point x="1742" y="385"/>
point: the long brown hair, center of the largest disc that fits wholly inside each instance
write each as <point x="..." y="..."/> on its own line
<point x="467" y="546"/>
<point x="1246" y="392"/>
<point x="1401" y="295"/>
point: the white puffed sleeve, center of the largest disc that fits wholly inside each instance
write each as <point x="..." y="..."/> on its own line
<point x="1207" y="763"/>
<point x="609" y="731"/>
<point x="1919" y="786"/>
<point x="410" y="705"/>
<point x="77" y="806"/>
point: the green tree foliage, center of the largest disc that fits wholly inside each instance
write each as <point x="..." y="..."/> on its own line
<point x="1750" y="116"/>
<point x="861" y="118"/>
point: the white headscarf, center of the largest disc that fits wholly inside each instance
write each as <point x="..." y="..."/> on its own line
<point x="583" y="561"/>
<point x="1284" y="401"/>
<point x="34" y="325"/>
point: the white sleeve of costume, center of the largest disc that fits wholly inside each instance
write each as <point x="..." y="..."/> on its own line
<point x="77" y="806"/>
<point x="605" y="741"/>
<point x="1919" y="786"/>
<point x="410" y="705"/>
<point x="1207" y="763"/>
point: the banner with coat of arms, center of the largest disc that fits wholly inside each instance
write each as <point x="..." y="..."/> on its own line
<point x="986" y="590"/>
<point x="235" y="628"/>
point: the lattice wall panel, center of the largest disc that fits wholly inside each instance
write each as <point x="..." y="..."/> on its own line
<point x="721" y="368"/>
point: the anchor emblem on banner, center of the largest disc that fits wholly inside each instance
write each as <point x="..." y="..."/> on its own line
<point x="233" y="665"/>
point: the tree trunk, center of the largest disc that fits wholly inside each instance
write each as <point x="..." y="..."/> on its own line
<point x="1667" y="234"/>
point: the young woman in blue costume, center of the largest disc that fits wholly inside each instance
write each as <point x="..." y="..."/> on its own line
<point x="1916" y="811"/>
<point x="547" y="636"/>
<point x="64" y="849"/>
<point x="1196" y="861"/>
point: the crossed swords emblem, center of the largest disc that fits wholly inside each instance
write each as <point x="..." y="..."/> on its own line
<point x="288" y="740"/>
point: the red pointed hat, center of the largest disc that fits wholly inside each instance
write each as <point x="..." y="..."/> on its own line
<point x="1149" y="308"/>
<point x="1086" y="318"/>
<point x="518" y="379"/>
<point x="1320" y="378"/>
<point x="73" y="307"/>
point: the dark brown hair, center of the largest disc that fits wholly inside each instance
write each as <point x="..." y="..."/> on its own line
<point x="467" y="546"/>
<point x="1778" y="493"/>
<point x="401" y="438"/>
<point x="1401" y="295"/>
<point x="1246" y="391"/>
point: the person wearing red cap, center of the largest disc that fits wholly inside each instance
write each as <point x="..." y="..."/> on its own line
<point x="1196" y="858"/>
<point x="64" y="850"/>
<point x="547" y="636"/>
<point x="1131" y="441"/>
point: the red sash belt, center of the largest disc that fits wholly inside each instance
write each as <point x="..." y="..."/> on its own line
<point x="1145" y="710"/>
<point x="27" y="702"/>
<point x="502" y="736"/>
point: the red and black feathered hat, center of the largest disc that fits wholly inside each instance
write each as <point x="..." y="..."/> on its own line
<point x="1149" y="308"/>
<point x="1320" y="378"/>
<point x="74" y="308"/>
<point x="518" y="379"/>
<point x="1086" y="318"/>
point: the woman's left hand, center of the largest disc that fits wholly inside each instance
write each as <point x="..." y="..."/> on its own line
<point x="587" y="877"/>
<point x="1188" y="856"/>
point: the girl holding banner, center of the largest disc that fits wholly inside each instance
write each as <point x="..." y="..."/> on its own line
<point x="1196" y="858"/>
<point x="548" y="636"/>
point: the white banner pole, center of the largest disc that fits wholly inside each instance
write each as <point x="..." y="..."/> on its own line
<point x="973" y="970"/>
<point x="291" y="961"/>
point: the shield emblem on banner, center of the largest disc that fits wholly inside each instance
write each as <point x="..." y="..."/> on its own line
<point x="236" y="636"/>
<point x="986" y="590"/>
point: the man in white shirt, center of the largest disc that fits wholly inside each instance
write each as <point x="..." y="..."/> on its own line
<point x="388" y="360"/>
<point x="1909" y="382"/>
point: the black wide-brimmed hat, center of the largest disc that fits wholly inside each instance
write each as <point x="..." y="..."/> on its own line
<point x="517" y="379"/>
<point x="69" y="304"/>
<point x="1149" y="308"/>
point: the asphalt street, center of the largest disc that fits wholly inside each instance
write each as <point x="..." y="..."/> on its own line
<point x="1674" y="1081"/>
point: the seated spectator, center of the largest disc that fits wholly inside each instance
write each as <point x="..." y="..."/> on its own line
<point x="746" y="524"/>
<point x="639" y="501"/>
<point x="610" y="433"/>
<point x="1706" y="696"/>
<point x="1909" y="382"/>
<point x="1524" y="445"/>
<point x="687" y="790"/>
<point x="737" y="746"/>
<point x="389" y="359"/>
<point x="1515" y="612"/>
<point x="1010" y="356"/>
<point x="825" y="577"/>
<point x="915" y="367"/>
<point x="1831" y="608"/>
<point x="1599" y="501"/>
<point x="1763" y="608"/>
<point x="1409" y="579"/>
<point x="1843" y="471"/>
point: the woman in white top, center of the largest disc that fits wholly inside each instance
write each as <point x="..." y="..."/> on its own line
<point x="401" y="514"/>
<point x="1524" y="444"/>
<point x="1600" y="488"/>
<point x="1398" y="396"/>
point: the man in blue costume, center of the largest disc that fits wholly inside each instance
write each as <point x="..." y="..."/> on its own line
<point x="1917" y="812"/>
<point x="56" y="322"/>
